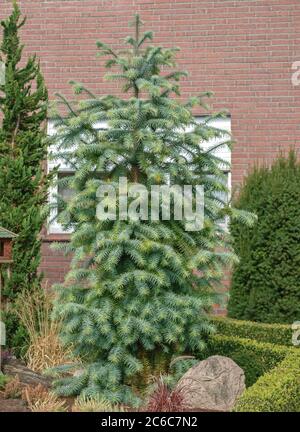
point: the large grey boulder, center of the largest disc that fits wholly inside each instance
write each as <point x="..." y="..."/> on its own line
<point x="213" y="384"/>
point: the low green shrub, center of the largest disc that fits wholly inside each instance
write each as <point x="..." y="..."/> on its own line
<point x="280" y="334"/>
<point x="255" y="358"/>
<point x="276" y="391"/>
<point x="3" y="380"/>
<point x="16" y="333"/>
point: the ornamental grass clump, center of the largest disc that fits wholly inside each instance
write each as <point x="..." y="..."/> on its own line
<point x="45" y="349"/>
<point x="40" y="399"/>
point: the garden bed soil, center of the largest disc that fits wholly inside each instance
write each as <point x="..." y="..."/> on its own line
<point x="12" y="405"/>
<point x="15" y="367"/>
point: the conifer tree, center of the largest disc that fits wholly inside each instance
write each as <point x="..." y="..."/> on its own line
<point x="23" y="148"/>
<point x="265" y="283"/>
<point x="137" y="287"/>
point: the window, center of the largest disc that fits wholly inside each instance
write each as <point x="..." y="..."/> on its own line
<point x="54" y="227"/>
<point x="59" y="188"/>
<point x="222" y="152"/>
<point x="63" y="190"/>
<point x="2" y="73"/>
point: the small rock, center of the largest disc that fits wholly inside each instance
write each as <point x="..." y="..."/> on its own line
<point x="26" y="376"/>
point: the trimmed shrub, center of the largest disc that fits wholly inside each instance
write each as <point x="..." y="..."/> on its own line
<point x="266" y="282"/>
<point x="272" y="371"/>
<point x="279" y="334"/>
<point x="255" y="358"/>
<point x="276" y="391"/>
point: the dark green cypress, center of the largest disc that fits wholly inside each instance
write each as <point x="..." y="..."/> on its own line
<point x="266" y="282"/>
<point x="23" y="148"/>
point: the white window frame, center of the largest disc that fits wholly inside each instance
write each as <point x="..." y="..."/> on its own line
<point x="54" y="227"/>
<point x="224" y="153"/>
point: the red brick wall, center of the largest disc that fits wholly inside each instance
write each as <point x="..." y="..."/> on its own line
<point x="54" y="264"/>
<point x="242" y="50"/>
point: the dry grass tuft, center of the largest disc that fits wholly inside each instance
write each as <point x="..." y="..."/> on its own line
<point x="39" y="399"/>
<point x="96" y="404"/>
<point x="34" y="309"/>
<point x="13" y="389"/>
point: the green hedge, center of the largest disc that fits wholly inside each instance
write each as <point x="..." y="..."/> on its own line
<point x="272" y="370"/>
<point x="265" y="282"/>
<point x="255" y="358"/>
<point x="276" y="391"/>
<point x="280" y="334"/>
